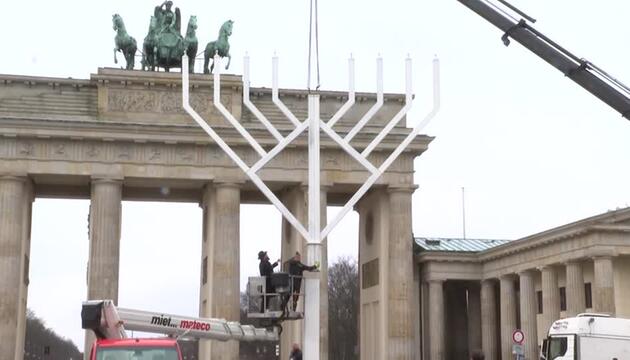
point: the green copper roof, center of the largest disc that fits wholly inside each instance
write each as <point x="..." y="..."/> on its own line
<point x="457" y="245"/>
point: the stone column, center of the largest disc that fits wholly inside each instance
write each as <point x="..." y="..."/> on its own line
<point x="603" y="285"/>
<point x="508" y="314"/>
<point x="417" y="314"/>
<point x="474" y="317"/>
<point x="436" y="320"/>
<point x="294" y="199"/>
<point x="221" y="263"/>
<point x="15" y="212"/>
<point x="575" y="289"/>
<point x="488" y="319"/>
<point x="425" y="312"/>
<point x="104" y="233"/>
<point x="528" y="314"/>
<point x="29" y="197"/>
<point x="456" y="341"/>
<point x="225" y="265"/>
<point x="400" y="276"/>
<point x="208" y="206"/>
<point x="550" y="296"/>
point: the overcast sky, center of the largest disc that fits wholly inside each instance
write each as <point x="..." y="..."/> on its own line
<point x="532" y="149"/>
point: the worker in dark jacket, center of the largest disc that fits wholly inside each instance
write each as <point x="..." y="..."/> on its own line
<point x="296" y="353"/>
<point x="296" y="269"/>
<point x="266" y="269"/>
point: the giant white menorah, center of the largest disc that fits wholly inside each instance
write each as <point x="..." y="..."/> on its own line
<point x="314" y="124"/>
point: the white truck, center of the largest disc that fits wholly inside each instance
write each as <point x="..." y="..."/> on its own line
<point x="588" y="337"/>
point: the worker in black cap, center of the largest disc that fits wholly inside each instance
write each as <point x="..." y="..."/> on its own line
<point x="296" y="269"/>
<point x="266" y="269"/>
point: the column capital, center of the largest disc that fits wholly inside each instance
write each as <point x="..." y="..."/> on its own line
<point x="326" y="187"/>
<point x="574" y="261"/>
<point x="106" y="180"/>
<point x="14" y="176"/>
<point x="322" y="187"/>
<point x="435" y="281"/>
<point x="402" y="188"/>
<point x="526" y="272"/>
<point x="22" y="178"/>
<point x="602" y="257"/>
<point x="228" y="184"/>
<point x="546" y="267"/>
<point x="324" y="183"/>
<point x="602" y="252"/>
<point x="288" y="187"/>
<point x="510" y="276"/>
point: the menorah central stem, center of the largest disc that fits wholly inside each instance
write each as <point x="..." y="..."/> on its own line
<point x="312" y="293"/>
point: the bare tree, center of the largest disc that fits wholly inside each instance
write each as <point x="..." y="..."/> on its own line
<point x="343" y="310"/>
<point x="42" y="342"/>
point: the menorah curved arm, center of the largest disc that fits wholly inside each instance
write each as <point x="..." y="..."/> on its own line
<point x="276" y="98"/>
<point x="396" y="119"/>
<point x="375" y="108"/>
<point x="226" y="114"/>
<point x="260" y="116"/>
<point x="351" y="96"/>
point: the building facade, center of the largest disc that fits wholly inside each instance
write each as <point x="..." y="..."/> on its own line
<point x="123" y="136"/>
<point x="472" y="294"/>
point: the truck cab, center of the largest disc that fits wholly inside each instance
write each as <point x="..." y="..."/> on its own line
<point x="588" y="337"/>
<point x="136" y="349"/>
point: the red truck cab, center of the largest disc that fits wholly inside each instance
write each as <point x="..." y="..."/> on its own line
<point x="136" y="349"/>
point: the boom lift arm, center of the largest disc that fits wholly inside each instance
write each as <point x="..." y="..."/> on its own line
<point x="111" y="322"/>
<point x="584" y="73"/>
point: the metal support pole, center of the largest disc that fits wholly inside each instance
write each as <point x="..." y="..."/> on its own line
<point x="311" y="297"/>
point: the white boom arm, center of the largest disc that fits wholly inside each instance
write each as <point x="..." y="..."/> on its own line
<point x="110" y="322"/>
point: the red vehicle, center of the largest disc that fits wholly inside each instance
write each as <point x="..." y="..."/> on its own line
<point x="110" y="323"/>
<point x="140" y="349"/>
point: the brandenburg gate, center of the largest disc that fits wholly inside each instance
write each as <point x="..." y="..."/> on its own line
<point x="123" y="135"/>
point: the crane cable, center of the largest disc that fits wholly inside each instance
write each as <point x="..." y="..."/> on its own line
<point x="313" y="5"/>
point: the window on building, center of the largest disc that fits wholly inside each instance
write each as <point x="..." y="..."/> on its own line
<point x="563" y="299"/>
<point x="540" y="301"/>
<point x="588" y="295"/>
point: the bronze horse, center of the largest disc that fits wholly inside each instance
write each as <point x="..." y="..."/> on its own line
<point x="124" y="42"/>
<point x="221" y="47"/>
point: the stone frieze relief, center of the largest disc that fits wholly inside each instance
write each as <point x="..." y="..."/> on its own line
<point x="164" y="102"/>
<point x="125" y="152"/>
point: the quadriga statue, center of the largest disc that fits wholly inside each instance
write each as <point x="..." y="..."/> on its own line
<point x="164" y="46"/>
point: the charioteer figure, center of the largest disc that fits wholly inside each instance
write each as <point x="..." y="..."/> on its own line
<point x="167" y="20"/>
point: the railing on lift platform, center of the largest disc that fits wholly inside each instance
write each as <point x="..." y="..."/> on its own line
<point x="276" y="305"/>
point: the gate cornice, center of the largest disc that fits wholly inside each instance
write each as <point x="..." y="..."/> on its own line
<point x="61" y="132"/>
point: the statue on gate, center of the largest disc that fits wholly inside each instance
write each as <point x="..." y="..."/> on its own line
<point x="164" y="45"/>
<point x="124" y="42"/>
<point x="167" y="20"/>
<point x="220" y="47"/>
